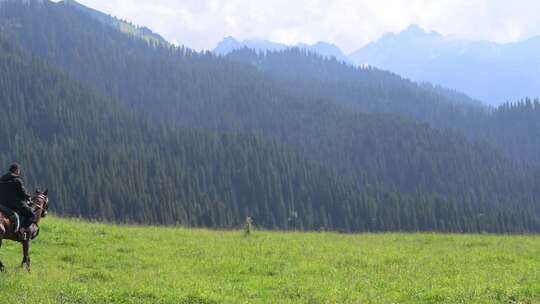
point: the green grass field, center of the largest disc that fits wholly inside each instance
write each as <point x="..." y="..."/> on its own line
<point x="78" y="262"/>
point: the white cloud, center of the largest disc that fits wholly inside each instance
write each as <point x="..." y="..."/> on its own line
<point x="201" y="24"/>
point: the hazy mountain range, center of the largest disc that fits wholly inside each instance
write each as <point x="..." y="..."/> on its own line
<point x="230" y="44"/>
<point x="492" y="72"/>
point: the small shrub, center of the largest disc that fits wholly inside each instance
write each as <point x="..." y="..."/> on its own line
<point x="248" y="226"/>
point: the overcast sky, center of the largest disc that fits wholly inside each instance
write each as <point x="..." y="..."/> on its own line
<point x="201" y="24"/>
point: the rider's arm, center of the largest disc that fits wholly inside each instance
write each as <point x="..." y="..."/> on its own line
<point x="22" y="190"/>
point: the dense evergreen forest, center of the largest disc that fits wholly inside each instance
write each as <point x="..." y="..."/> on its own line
<point x="102" y="161"/>
<point x="375" y="91"/>
<point x="130" y="130"/>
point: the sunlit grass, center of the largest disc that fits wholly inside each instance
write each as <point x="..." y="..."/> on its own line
<point x="77" y="262"/>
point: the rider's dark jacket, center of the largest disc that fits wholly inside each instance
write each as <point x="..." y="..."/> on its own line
<point x="17" y="197"/>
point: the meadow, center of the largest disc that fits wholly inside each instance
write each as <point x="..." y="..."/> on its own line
<point x="79" y="262"/>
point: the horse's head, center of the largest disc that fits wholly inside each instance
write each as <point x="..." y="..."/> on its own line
<point x="41" y="202"/>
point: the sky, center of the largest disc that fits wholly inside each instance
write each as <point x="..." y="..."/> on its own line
<point x="350" y="24"/>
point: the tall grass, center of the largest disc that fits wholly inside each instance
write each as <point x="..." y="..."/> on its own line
<point x="78" y="262"/>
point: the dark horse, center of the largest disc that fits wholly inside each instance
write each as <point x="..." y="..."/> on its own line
<point x="40" y="206"/>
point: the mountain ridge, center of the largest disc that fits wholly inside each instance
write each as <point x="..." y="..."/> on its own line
<point x="124" y="26"/>
<point x="492" y="72"/>
<point x="428" y="56"/>
<point x="324" y="49"/>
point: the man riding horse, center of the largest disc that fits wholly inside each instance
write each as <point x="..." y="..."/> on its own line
<point x="17" y="198"/>
<point x="13" y="197"/>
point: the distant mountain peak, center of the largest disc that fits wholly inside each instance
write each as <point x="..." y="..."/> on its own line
<point x="227" y="45"/>
<point x="230" y="44"/>
<point x="414" y="29"/>
<point x="229" y="39"/>
<point x="450" y="62"/>
<point x="322" y="44"/>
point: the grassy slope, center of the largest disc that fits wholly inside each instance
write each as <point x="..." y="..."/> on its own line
<point x="76" y="262"/>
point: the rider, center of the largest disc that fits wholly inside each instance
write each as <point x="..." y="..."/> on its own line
<point x="17" y="201"/>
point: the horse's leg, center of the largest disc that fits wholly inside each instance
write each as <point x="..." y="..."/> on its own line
<point x="2" y="268"/>
<point x="26" y="255"/>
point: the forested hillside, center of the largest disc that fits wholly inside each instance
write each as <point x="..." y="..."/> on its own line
<point x="375" y="91"/>
<point x="103" y="162"/>
<point x="208" y="140"/>
<point x="100" y="161"/>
